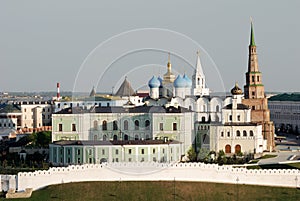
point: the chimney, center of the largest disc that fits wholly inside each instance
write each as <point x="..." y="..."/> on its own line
<point x="58" y="94"/>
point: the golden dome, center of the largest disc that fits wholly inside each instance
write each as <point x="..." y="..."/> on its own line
<point x="236" y="90"/>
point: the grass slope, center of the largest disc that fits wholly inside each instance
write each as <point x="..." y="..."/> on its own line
<point x="147" y="191"/>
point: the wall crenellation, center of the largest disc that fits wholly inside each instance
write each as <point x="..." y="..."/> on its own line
<point x="155" y="172"/>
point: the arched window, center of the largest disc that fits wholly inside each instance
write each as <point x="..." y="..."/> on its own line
<point x="217" y="118"/>
<point x="245" y="133"/>
<point x="251" y="133"/>
<point x="147" y="137"/>
<point x="147" y="125"/>
<point x="125" y="125"/>
<point x="190" y="107"/>
<point x="237" y="148"/>
<point x="104" y="137"/>
<point x="238" y="133"/>
<point x="96" y="125"/>
<point x="104" y="125"/>
<point x="217" y="108"/>
<point x="115" y="137"/>
<point x="205" y="139"/>
<point x="227" y="149"/>
<point x="136" y="137"/>
<point x="115" y="125"/>
<point x="126" y="137"/>
<point x="203" y="119"/>
<point x="136" y="125"/>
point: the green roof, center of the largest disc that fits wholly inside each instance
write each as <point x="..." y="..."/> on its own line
<point x="286" y="97"/>
<point x="7" y="108"/>
<point x="252" y="42"/>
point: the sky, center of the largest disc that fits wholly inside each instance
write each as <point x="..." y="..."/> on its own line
<point x="85" y="44"/>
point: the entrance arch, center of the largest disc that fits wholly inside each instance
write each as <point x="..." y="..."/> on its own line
<point x="237" y="148"/>
<point x="227" y="149"/>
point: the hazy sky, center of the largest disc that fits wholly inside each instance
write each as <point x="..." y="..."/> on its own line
<point x="44" y="42"/>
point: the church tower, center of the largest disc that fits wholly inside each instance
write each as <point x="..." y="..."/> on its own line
<point x="199" y="84"/>
<point x="255" y="96"/>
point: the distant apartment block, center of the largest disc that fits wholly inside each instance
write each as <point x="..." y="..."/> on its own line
<point x="285" y="112"/>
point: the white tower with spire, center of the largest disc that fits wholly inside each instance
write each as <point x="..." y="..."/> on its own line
<point x="199" y="85"/>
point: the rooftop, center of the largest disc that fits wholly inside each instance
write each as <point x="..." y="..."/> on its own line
<point x="113" y="142"/>
<point x="286" y="97"/>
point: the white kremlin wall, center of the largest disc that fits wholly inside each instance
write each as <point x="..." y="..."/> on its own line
<point x="157" y="172"/>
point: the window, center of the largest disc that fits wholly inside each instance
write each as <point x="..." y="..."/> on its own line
<point x="117" y="159"/>
<point x="238" y="133"/>
<point x="253" y="107"/>
<point x="117" y="151"/>
<point x="253" y="93"/>
<point x="257" y="78"/>
<point x="78" y="152"/>
<point x="222" y="134"/>
<point x="174" y="126"/>
<point x="104" y="137"/>
<point x="143" y="151"/>
<point x="115" y="125"/>
<point x="147" y="125"/>
<point x="103" y="151"/>
<point x="115" y="137"/>
<point x="251" y="133"/>
<point x="136" y="137"/>
<point x="163" y="151"/>
<point x="230" y="117"/>
<point x="153" y="151"/>
<point x="228" y="134"/>
<point x="217" y="108"/>
<point x="245" y="133"/>
<point x="136" y="125"/>
<point x="129" y="151"/>
<point x="125" y="125"/>
<point x="104" y="125"/>
<point x="69" y="151"/>
<point x="203" y="119"/>
<point x="239" y="118"/>
<point x="73" y="127"/>
<point x="96" y="125"/>
<point x="161" y="126"/>
<point x="147" y="137"/>
<point x="60" y="128"/>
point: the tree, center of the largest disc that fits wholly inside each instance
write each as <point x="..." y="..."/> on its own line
<point x="192" y="156"/>
<point x="43" y="139"/>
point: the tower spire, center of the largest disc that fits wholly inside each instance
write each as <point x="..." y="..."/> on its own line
<point x="252" y="41"/>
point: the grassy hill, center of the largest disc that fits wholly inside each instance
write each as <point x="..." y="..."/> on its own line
<point x="147" y="191"/>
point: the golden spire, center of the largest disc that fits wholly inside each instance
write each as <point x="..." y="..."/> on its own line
<point x="169" y="62"/>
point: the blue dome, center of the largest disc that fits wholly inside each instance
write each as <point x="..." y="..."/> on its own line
<point x="180" y="82"/>
<point x="154" y="82"/>
<point x="189" y="82"/>
<point x="160" y="80"/>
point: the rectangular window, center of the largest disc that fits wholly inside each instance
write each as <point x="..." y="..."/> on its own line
<point x="129" y="159"/>
<point x="228" y="134"/>
<point x="73" y="127"/>
<point x="129" y="151"/>
<point x="230" y="117"/>
<point x="253" y="78"/>
<point x="222" y="134"/>
<point x="174" y="126"/>
<point x="117" y="159"/>
<point x="161" y="126"/>
<point x="143" y="151"/>
<point x="69" y="151"/>
<point x="78" y="152"/>
<point x="103" y="151"/>
<point x="153" y="151"/>
<point x="60" y="127"/>
<point x="239" y="118"/>
<point x="117" y="151"/>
